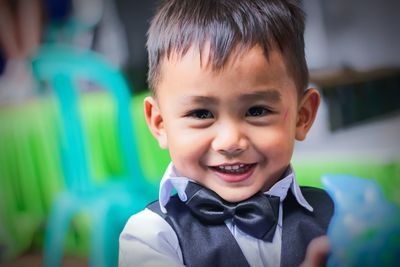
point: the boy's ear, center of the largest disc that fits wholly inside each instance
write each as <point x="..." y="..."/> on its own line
<point x="155" y="121"/>
<point x="307" y="112"/>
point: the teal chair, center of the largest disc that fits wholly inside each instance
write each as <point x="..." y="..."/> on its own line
<point x="107" y="205"/>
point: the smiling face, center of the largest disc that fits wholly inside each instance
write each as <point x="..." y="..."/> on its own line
<point x="231" y="130"/>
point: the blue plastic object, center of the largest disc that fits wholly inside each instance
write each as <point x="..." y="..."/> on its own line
<point x="365" y="228"/>
<point x="108" y="205"/>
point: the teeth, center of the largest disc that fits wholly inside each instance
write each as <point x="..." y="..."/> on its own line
<point x="234" y="168"/>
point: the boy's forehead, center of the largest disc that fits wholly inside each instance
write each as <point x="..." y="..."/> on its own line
<point x="194" y="69"/>
<point x="202" y="60"/>
<point x="203" y="55"/>
<point x="208" y="59"/>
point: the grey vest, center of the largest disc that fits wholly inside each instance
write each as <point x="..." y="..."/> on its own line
<point x="205" y="245"/>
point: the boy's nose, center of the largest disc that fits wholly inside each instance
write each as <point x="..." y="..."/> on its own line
<point x="230" y="140"/>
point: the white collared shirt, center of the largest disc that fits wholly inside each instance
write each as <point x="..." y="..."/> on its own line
<point x="148" y="240"/>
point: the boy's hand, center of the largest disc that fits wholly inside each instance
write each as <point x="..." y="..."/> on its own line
<point x="317" y="252"/>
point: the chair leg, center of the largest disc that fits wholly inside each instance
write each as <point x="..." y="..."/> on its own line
<point x="57" y="226"/>
<point x="101" y="253"/>
<point x="109" y="217"/>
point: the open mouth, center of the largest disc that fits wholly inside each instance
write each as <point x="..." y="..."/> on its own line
<point x="234" y="168"/>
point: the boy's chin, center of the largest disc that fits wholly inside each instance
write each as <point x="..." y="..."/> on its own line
<point x="235" y="194"/>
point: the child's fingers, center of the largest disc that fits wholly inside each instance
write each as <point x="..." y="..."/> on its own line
<point x="316" y="253"/>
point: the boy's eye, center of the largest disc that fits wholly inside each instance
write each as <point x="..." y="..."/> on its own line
<point x="257" y="112"/>
<point x="201" y="114"/>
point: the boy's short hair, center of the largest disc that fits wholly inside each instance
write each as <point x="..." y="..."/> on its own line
<point x="227" y="25"/>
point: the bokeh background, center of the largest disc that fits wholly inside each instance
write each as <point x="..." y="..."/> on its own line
<point x="352" y="52"/>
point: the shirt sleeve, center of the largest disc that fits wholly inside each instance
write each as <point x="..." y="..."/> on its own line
<point x="148" y="240"/>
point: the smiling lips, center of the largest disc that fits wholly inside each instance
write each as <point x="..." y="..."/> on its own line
<point x="234" y="173"/>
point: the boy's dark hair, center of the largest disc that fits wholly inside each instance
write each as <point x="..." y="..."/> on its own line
<point x="227" y="25"/>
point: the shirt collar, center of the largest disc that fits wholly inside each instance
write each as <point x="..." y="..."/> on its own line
<point x="172" y="180"/>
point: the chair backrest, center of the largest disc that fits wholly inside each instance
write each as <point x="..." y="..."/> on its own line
<point x="64" y="68"/>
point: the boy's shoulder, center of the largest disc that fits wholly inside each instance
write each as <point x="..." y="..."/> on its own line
<point x="174" y="206"/>
<point x="320" y="201"/>
<point x="148" y="240"/>
<point x="317" y="197"/>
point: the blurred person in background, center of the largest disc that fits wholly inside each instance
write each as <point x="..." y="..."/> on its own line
<point x="25" y="24"/>
<point x="20" y="34"/>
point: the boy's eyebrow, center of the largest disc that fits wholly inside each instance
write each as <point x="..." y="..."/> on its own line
<point x="270" y="95"/>
<point x="200" y="100"/>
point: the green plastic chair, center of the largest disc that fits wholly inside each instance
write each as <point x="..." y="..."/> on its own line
<point x="109" y="204"/>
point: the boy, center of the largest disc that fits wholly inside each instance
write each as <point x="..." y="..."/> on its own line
<point x="229" y="100"/>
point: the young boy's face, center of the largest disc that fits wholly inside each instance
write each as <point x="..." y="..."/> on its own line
<point x="231" y="130"/>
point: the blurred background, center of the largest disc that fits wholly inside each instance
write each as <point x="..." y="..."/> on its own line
<point x="70" y="177"/>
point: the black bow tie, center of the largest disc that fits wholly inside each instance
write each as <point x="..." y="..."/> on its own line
<point x="257" y="216"/>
